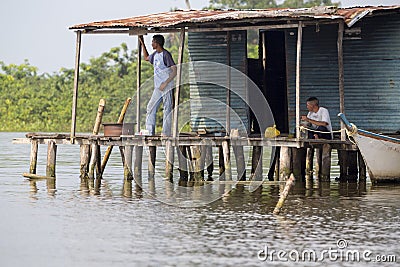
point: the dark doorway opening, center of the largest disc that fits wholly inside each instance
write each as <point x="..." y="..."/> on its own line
<point x="273" y="58"/>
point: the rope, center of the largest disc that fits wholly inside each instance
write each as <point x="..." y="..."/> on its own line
<point x="304" y="129"/>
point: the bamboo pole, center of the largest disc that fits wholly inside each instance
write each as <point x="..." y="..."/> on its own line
<point x="341" y="75"/>
<point x="178" y="82"/>
<point x="110" y="148"/>
<point x="76" y="83"/>
<point x="33" y="156"/>
<point x="51" y="159"/>
<point x="289" y="184"/>
<point x="95" y="148"/>
<point x="298" y="68"/>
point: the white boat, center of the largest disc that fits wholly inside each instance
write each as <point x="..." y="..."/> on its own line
<point x="381" y="153"/>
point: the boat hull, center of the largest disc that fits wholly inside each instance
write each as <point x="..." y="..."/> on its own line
<point x="381" y="156"/>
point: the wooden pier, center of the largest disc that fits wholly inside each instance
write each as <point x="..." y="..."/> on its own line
<point x="195" y="156"/>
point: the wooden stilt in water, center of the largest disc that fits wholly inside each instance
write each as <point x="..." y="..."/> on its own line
<point x="348" y="165"/>
<point x="195" y="161"/>
<point x="209" y="162"/>
<point x="152" y="161"/>
<point x="169" y="164"/>
<point x="325" y="169"/>
<point x="298" y="158"/>
<point x="33" y="157"/>
<point x="285" y="168"/>
<point x="51" y="159"/>
<point x="84" y="160"/>
<point x="362" y="168"/>
<point x="310" y="161"/>
<point x="183" y="164"/>
<point x="95" y="148"/>
<point x="288" y="186"/>
<point x="256" y="164"/>
<point x="227" y="160"/>
<point x="128" y="151"/>
<point x="277" y="163"/>
<point x="240" y="162"/>
<point x="221" y="163"/>
<point x="138" y="164"/>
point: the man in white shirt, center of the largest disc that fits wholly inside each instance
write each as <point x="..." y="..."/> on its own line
<point x="164" y="74"/>
<point x="319" y="119"/>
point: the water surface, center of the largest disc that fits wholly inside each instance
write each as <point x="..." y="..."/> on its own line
<point x="69" y="223"/>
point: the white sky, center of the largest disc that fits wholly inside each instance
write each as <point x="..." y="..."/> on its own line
<point x="37" y="30"/>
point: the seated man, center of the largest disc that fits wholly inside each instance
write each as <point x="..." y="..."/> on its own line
<point x="319" y="119"/>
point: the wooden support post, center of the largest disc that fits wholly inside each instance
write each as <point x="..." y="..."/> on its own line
<point x="227" y="160"/>
<point x="240" y="163"/>
<point x="152" y="161"/>
<point x="169" y="161"/>
<point x="362" y="168"/>
<point x="341" y="75"/>
<point x="298" y="69"/>
<point x="289" y="184"/>
<point x="277" y="163"/>
<point x="352" y="165"/>
<point x="285" y="167"/>
<point x="256" y="164"/>
<point x="138" y="164"/>
<point x="189" y="163"/>
<point x="325" y="170"/>
<point x="84" y="160"/>
<point x="95" y="159"/>
<point x="128" y="151"/>
<point x="33" y="157"/>
<point x="209" y="162"/>
<point x="76" y="83"/>
<point x="196" y="163"/>
<point x="318" y="163"/>
<point x="183" y="163"/>
<point x="138" y="84"/>
<point x="178" y="82"/>
<point x="51" y="159"/>
<point x="221" y="163"/>
<point x="298" y="158"/>
<point x="310" y="161"/>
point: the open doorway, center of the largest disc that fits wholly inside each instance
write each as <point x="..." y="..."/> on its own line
<point x="273" y="64"/>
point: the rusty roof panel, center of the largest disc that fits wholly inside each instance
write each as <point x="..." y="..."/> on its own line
<point x="188" y="18"/>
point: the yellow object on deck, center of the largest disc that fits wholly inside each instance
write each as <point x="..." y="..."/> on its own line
<point x="272" y="132"/>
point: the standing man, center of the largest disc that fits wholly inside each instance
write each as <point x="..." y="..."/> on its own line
<point x="164" y="74"/>
<point x="319" y="119"/>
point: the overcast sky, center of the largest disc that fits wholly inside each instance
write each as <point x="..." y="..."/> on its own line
<point x="37" y="30"/>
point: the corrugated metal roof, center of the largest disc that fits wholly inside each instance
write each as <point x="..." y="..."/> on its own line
<point x="195" y="18"/>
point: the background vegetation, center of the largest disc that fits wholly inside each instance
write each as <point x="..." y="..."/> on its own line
<point x="33" y="102"/>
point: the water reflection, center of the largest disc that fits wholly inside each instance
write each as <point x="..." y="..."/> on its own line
<point x="50" y="186"/>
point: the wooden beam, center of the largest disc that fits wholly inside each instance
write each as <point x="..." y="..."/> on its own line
<point x="76" y="82"/>
<point x="341" y="75"/>
<point x="298" y="68"/>
<point x="178" y="82"/>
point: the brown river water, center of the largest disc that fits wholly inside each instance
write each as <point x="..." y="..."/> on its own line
<point x="72" y="223"/>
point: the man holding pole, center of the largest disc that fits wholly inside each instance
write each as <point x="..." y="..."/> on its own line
<point x="164" y="74"/>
